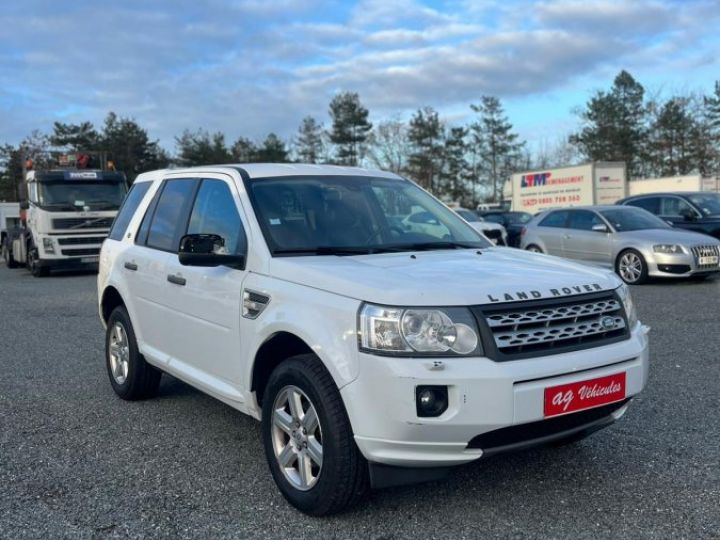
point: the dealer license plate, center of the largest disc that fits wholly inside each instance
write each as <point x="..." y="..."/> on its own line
<point x="578" y="396"/>
<point x="707" y="261"/>
<point x="94" y="259"/>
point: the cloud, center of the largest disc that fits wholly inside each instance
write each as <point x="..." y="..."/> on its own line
<point x="250" y="67"/>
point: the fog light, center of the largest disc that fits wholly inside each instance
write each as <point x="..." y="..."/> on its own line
<point x="431" y="400"/>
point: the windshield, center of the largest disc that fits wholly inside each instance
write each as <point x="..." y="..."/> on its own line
<point x="467" y="215"/>
<point x="76" y="196"/>
<point x="633" y="219"/>
<point x="708" y="203"/>
<point x="354" y="215"/>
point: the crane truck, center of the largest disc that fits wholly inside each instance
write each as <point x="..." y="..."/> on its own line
<point x="65" y="215"/>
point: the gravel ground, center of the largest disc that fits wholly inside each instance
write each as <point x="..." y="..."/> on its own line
<point x="75" y="461"/>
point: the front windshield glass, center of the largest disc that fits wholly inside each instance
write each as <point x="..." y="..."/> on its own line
<point x="708" y="203"/>
<point x="354" y="215"/>
<point x="469" y="216"/>
<point x="633" y="219"/>
<point x="75" y="196"/>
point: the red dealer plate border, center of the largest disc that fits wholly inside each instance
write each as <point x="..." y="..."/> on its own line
<point x="578" y="396"/>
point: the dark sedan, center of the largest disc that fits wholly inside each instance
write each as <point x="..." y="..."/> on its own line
<point x="512" y="221"/>
<point x="697" y="211"/>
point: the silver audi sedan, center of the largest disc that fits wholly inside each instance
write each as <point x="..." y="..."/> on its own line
<point x="630" y="240"/>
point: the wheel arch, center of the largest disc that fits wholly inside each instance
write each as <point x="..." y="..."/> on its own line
<point x="277" y="348"/>
<point x="111" y="298"/>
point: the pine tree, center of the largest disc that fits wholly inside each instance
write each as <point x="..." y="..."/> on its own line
<point x="671" y="150"/>
<point x="614" y="125"/>
<point x="496" y="147"/>
<point x="244" y="151"/>
<point x="455" y="173"/>
<point x="426" y="136"/>
<point x="201" y="148"/>
<point x="129" y="147"/>
<point x="272" y="150"/>
<point x="76" y="137"/>
<point x="350" y="127"/>
<point x="309" y="142"/>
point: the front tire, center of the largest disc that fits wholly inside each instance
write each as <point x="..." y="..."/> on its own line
<point x="309" y="444"/>
<point x="131" y="377"/>
<point x="34" y="264"/>
<point x="534" y="249"/>
<point x="631" y="267"/>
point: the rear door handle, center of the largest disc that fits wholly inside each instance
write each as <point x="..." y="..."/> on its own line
<point x="177" y="280"/>
<point x="131" y="266"/>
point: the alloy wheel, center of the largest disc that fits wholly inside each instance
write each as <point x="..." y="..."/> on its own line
<point x="119" y="351"/>
<point x="630" y="267"/>
<point x="297" y="438"/>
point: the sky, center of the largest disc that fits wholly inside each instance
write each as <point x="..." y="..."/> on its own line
<point x="250" y="67"/>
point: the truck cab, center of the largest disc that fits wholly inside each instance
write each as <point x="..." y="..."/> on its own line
<point x="66" y="216"/>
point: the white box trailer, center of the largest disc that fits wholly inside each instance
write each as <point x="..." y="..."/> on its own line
<point x="9" y="215"/>
<point x="688" y="182"/>
<point x="600" y="182"/>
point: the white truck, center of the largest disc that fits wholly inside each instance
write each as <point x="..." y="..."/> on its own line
<point x="373" y="355"/>
<point x="669" y="184"/>
<point x="65" y="217"/>
<point x="601" y="182"/>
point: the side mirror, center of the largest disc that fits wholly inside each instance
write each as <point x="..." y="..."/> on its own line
<point x="206" y="250"/>
<point x="600" y="227"/>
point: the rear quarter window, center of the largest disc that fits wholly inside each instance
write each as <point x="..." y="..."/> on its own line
<point x="127" y="210"/>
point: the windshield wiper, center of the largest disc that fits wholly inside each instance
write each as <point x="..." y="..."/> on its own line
<point x="331" y="250"/>
<point x="429" y="246"/>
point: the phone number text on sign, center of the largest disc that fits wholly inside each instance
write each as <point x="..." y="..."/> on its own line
<point x="556" y="200"/>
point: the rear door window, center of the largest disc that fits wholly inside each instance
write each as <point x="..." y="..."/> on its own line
<point x="169" y="220"/>
<point x="556" y="219"/>
<point x="127" y="210"/>
<point x="674" y="207"/>
<point x="583" y="220"/>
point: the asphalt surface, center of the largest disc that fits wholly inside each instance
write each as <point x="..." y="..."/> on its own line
<point x="75" y="461"/>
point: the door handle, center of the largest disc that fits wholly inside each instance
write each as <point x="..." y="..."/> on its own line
<point x="177" y="280"/>
<point x="131" y="266"/>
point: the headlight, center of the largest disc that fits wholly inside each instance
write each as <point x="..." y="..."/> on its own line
<point x="629" y="305"/>
<point x="48" y="245"/>
<point x="668" y="248"/>
<point x="411" y="331"/>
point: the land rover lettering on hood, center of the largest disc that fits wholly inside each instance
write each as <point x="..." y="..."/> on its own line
<point x="375" y="334"/>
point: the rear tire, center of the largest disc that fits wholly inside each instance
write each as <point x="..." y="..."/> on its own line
<point x="342" y="478"/>
<point x="631" y="267"/>
<point x="534" y="249"/>
<point x="7" y="255"/>
<point x="131" y="377"/>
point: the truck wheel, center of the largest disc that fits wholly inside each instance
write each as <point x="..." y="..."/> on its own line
<point x="34" y="264"/>
<point x="131" y="376"/>
<point x="308" y="439"/>
<point x="631" y="267"/>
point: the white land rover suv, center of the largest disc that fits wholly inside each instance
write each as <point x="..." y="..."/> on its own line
<point x="373" y="355"/>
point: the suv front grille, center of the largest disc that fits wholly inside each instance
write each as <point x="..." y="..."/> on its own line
<point x="82" y="223"/>
<point x="542" y="327"/>
<point x="705" y="251"/>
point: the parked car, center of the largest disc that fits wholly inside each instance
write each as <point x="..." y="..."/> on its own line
<point x="494" y="231"/>
<point x="697" y="211"/>
<point x="373" y="356"/>
<point x="512" y="221"/>
<point x="630" y="240"/>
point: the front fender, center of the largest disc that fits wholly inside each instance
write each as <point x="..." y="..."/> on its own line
<point x="326" y="322"/>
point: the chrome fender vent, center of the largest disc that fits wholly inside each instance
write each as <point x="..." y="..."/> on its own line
<point x="254" y="303"/>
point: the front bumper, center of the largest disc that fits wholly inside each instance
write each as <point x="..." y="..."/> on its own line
<point x="677" y="265"/>
<point x="484" y="396"/>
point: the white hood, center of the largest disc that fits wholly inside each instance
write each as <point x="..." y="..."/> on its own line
<point x="444" y="278"/>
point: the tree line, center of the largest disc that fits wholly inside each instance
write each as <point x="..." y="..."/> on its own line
<point x="469" y="163"/>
